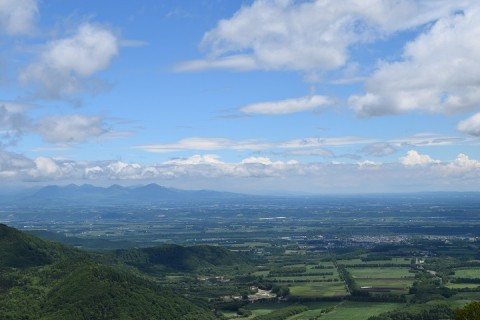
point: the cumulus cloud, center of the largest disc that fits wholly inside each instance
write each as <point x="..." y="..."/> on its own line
<point x="439" y="71"/>
<point x="307" y="35"/>
<point x="65" y="65"/>
<point x="471" y="125"/>
<point x="287" y="106"/>
<point x="18" y="16"/>
<point x="254" y="174"/>
<point x="413" y="158"/>
<point x="75" y="128"/>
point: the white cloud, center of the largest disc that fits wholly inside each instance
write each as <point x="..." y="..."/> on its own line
<point x="462" y="168"/>
<point x="463" y="161"/>
<point x="237" y="62"/>
<point x="471" y="125"/>
<point x="369" y="165"/>
<point x="13" y="122"/>
<point x="75" y="128"/>
<point x="64" y="65"/>
<point x="425" y="140"/>
<point x="287" y="106"/>
<point x="196" y="143"/>
<point x="18" y="16"/>
<point x="195" y="160"/>
<point x="379" y="149"/>
<point x="255" y="174"/>
<point x="439" y="72"/>
<point x="11" y="164"/>
<point x="313" y="142"/>
<point x="310" y="152"/>
<point x="307" y="35"/>
<point x="413" y="158"/>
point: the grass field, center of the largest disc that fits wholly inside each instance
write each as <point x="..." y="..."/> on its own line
<point x="316" y="309"/>
<point x="383" y="273"/>
<point x="461" y="299"/>
<point x="398" y="285"/>
<point x="353" y="311"/>
<point x="259" y="309"/>
<point x="318" y="289"/>
<point x="467" y="273"/>
<point x="462" y="285"/>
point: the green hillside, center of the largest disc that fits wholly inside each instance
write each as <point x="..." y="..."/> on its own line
<point x="172" y="257"/>
<point x="46" y="280"/>
<point x="20" y="250"/>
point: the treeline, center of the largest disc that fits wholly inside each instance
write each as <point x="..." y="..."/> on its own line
<point x="377" y="265"/>
<point x="276" y="274"/>
<point x="283" y="313"/>
<point x="418" y="312"/>
<point x="304" y="280"/>
<point x="465" y="280"/>
<point x="290" y="270"/>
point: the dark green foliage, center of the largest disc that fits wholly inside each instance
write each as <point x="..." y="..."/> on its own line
<point x="427" y="288"/>
<point x="95" y="291"/>
<point x="469" y="312"/>
<point x="281" y="291"/>
<point x="376" y="257"/>
<point x="418" y="312"/>
<point x="19" y="250"/>
<point x="49" y="281"/>
<point x="290" y="270"/>
<point x="283" y="313"/>
<point x="179" y="258"/>
<point x="84" y="243"/>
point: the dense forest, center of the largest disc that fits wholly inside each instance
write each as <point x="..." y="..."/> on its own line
<point x="46" y="280"/>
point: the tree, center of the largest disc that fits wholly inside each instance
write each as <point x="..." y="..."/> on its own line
<point x="469" y="312"/>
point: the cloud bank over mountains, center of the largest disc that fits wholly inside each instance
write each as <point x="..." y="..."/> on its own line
<point x="414" y="172"/>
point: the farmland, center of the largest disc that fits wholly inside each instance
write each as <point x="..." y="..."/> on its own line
<point x="335" y="258"/>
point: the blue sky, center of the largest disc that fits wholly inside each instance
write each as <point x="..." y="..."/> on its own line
<point x="265" y="96"/>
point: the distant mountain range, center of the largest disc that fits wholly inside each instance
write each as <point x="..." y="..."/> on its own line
<point x="89" y="194"/>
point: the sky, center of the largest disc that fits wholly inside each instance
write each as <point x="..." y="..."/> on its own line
<point x="252" y="96"/>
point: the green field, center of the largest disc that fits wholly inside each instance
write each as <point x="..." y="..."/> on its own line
<point x="467" y="273"/>
<point x="320" y="289"/>
<point x="354" y="311"/>
<point x="399" y="285"/>
<point x="462" y="285"/>
<point x="380" y="273"/>
<point x="259" y="309"/>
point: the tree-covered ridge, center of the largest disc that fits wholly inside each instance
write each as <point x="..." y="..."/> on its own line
<point x="45" y="280"/>
<point x="20" y="250"/>
<point x="96" y="291"/>
<point x="179" y="258"/>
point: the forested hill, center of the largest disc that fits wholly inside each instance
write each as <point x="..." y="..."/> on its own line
<point x="20" y="250"/>
<point x="172" y="257"/>
<point x="45" y="280"/>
